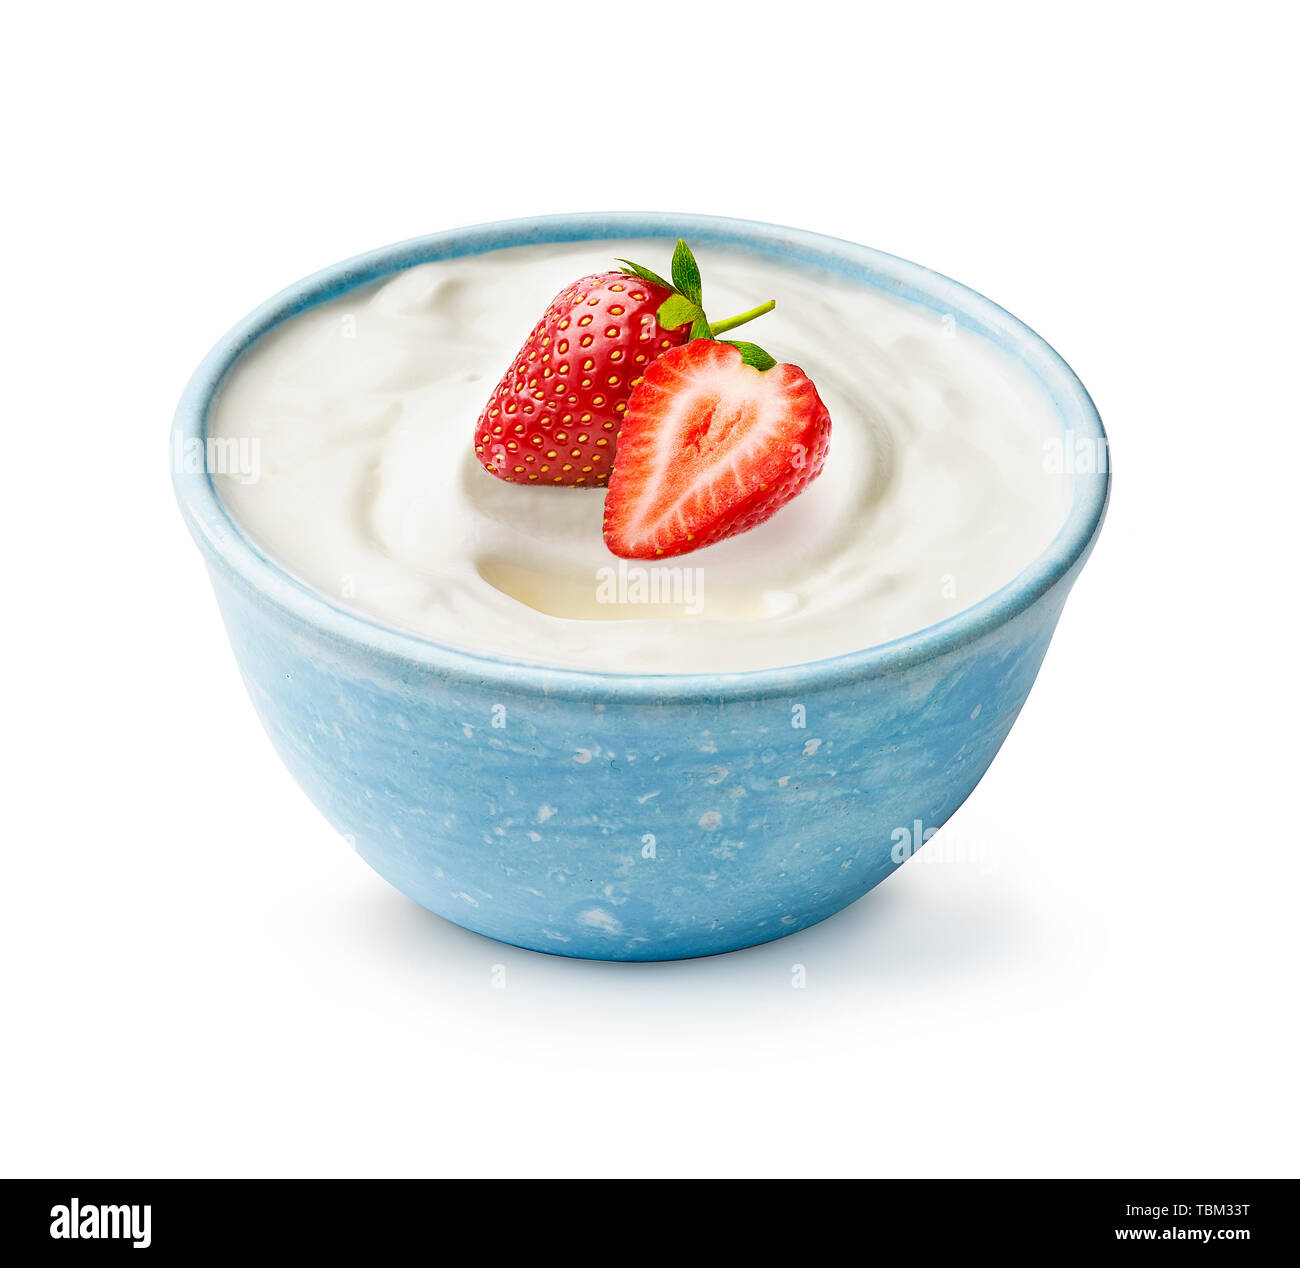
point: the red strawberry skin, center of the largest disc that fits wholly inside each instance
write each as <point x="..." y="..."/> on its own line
<point x="555" y="416"/>
<point x="710" y="448"/>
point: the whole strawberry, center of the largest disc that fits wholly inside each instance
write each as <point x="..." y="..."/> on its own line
<point x="555" y="416"/>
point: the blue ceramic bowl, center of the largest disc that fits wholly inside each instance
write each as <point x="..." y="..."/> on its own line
<point x="635" y="816"/>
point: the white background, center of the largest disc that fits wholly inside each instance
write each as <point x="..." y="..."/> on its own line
<point x="1093" y="970"/>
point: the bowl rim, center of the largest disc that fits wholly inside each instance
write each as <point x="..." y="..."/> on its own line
<point x="225" y="544"/>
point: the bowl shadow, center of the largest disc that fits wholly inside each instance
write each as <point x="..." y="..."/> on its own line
<point x="900" y="935"/>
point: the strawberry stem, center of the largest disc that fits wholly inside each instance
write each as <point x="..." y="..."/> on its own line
<point x="740" y="319"/>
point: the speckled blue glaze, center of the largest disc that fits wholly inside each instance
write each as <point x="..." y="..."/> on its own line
<point x="627" y="816"/>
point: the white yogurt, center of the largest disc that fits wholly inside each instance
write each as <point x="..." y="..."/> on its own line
<point x="361" y="415"/>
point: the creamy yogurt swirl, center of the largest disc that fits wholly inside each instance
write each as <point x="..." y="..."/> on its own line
<point x="361" y="415"/>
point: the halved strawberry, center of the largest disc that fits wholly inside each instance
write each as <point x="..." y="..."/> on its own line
<point x="711" y="445"/>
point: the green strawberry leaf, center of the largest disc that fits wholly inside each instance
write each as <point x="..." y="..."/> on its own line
<point x="752" y="354"/>
<point x="645" y="274"/>
<point x="686" y="273"/>
<point x="686" y="304"/>
<point x="677" y="310"/>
